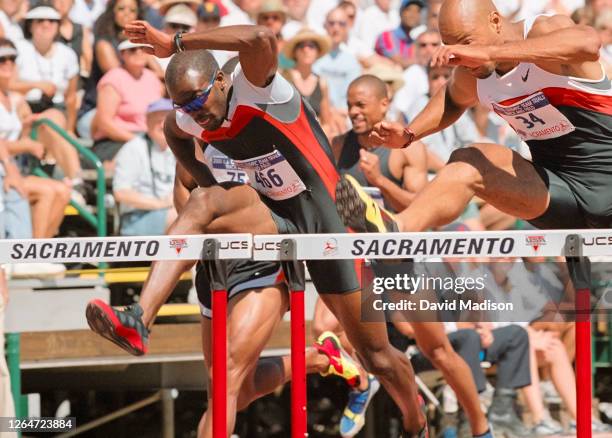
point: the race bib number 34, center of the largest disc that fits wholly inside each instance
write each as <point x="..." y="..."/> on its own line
<point x="534" y="118"/>
<point x="272" y="176"/>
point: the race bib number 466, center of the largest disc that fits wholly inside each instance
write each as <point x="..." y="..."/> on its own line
<point x="534" y="118"/>
<point x="272" y="176"/>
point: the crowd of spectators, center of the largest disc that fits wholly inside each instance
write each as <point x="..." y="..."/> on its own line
<point x="68" y="61"/>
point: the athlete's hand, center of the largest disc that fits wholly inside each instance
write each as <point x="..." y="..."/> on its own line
<point x="388" y="134"/>
<point x="141" y="32"/>
<point x="370" y="166"/>
<point x="469" y="56"/>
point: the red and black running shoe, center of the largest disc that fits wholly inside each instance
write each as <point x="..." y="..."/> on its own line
<point x="123" y="327"/>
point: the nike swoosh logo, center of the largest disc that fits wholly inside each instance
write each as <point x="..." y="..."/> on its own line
<point x="524" y="78"/>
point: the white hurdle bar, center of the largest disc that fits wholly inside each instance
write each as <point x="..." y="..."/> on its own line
<point x="575" y="245"/>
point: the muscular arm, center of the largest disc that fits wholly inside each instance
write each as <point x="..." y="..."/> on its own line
<point x="414" y="177"/>
<point x="555" y="39"/>
<point x="447" y="105"/>
<point x="184" y="150"/>
<point x="183" y="185"/>
<point x="256" y="47"/>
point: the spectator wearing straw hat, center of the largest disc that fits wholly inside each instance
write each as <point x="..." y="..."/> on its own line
<point x="304" y="49"/>
<point x="144" y="191"/>
<point x="124" y="93"/>
<point x="273" y="15"/>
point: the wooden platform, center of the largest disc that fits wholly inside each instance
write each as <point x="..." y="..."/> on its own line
<point x="166" y="340"/>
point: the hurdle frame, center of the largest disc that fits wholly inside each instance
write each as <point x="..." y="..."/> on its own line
<point x="291" y="250"/>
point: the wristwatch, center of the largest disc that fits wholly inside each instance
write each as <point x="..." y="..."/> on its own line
<point x="178" y="42"/>
<point x="409" y="136"/>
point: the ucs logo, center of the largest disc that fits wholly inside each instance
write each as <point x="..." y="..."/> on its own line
<point x="535" y="241"/>
<point x="330" y="247"/>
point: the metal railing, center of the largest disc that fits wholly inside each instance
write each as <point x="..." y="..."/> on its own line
<point x="98" y="220"/>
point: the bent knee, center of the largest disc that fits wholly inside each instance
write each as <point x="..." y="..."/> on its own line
<point x="440" y="355"/>
<point x="378" y="362"/>
<point x="466" y="165"/>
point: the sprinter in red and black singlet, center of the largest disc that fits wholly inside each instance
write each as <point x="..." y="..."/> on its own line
<point x="258" y="119"/>
<point x="543" y="76"/>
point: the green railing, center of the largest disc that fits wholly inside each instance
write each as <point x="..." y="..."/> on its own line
<point x="98" y="220"/>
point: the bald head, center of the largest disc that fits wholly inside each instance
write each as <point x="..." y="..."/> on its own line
<point x="371" y="83"/>
<point x="188" y="69"/>
<point x="460" y="19"/>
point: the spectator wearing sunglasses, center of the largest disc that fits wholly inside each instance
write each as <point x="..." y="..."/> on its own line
<point x="304" y="49"/>
<point x="339" y="67"/>
<point x="108" y="33"/>
<point x="179" y="18"/>
<point x="47" y="74"/>
<point x="144" y="190"/>
<point x="415" y="76"/>
<point x="273" y="15"/>
<point x="124" y="93"/>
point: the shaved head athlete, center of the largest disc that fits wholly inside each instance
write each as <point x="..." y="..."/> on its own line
<point x="542" y="75"/>
<point x="255" y="117"/>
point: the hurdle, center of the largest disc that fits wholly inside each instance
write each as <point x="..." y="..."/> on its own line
<point x="293" y="250"/>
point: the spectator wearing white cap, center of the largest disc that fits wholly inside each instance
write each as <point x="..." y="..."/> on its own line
<point x="179" y="18"/>
<point x="48" y="73"/>
<point x="9" y="20"/>
<point x="124" y="93"/>
<point x="144" y="177"/>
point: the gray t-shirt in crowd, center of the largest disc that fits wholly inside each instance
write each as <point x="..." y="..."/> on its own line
<point x="151" y="175"/>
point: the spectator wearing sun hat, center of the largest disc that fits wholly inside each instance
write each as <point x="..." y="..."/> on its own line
<point x="304" y="49"/>
<point x="179" y="18"/>
<point x="273" y="15"/>
<point x="144" y="177"/>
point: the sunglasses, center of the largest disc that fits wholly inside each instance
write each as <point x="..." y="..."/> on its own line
<point x="210" y="19"/>
<point x="43" y="20"/>
<point x="179" y="27"/>
<point x="423" y="45"/>
<point x="332" y="23"/>
<point x="272" y="17"/>
<point x="197" y="103"/>
<point x="5" y="59"/>
<point x="309" y="44"/>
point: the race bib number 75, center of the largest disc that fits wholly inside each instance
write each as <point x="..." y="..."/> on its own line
<point x="534" y="118"/>
<point x="272" y="176"/>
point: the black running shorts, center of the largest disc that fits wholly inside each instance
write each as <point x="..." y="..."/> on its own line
<point x="242" y="276"/>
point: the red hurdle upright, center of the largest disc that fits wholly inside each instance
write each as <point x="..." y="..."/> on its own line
<point x="294" y="274"/>
<point x="217" y="274"/>
<point x="579" y="268"/>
